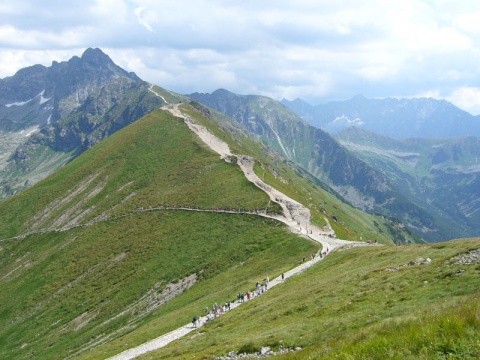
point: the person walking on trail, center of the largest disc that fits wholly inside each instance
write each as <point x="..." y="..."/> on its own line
<point x="194" y="321"/>
<point x="283" y="276"/>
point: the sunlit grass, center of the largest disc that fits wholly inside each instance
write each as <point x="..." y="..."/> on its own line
<point x="350" y="307"/>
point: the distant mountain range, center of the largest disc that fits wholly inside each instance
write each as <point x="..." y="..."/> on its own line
<point x="398" y="118"/>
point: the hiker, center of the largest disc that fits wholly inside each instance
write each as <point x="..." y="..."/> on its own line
<point x="194" y="321"/>
<point x="283" y="276"/>
<point x="206" y="310"/>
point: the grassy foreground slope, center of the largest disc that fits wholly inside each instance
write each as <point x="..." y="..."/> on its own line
<point x="384" y="302"/>
<point x="86" y="255"/>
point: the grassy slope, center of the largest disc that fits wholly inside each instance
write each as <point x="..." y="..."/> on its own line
<point x="350" y="307"/>
<point x="144" y="161"/>
<point x="352" y="224"/>
<point x="71" y="282"/>
<point x="58" y="289"/>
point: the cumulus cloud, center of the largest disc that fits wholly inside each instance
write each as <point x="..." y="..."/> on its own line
<point x="317" y="50"/>
<point x="467" y="97"/>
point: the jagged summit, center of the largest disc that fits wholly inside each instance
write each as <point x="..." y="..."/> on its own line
<point x="67" y="108"/>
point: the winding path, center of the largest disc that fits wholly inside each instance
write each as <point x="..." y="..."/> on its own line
<point x="296" y="216"/>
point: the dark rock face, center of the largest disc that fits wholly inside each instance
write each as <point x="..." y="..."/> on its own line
<point x="72" y="100"/>
<point x="69" y="106"/>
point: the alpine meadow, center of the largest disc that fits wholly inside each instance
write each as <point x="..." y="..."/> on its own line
<point x="128" y="210"/>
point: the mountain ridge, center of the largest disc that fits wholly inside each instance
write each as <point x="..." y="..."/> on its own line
<point x="49" y="115"/>
<point x="148" y="226"/>
<point x="93" y="249"/>
<point x="398" y="118"/>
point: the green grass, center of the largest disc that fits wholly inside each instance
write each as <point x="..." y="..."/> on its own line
<point x="78" y="292"/>
<point x="442" y="332"/>
<point x="141" y="166"/>
<point x="100" y="271"/>
<point x="66" y="292"/>
<point x="349" y="307"/>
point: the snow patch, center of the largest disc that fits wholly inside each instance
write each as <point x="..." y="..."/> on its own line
<point x="18" y="103"/>
<point x="42" y="100"/>
<point x="344" y="119"/>
<point x="29" y="131"/>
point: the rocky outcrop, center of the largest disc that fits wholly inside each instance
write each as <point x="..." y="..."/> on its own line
<point x="470" y="258"/>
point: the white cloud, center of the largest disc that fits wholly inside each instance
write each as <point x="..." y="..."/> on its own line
<point x="466" y="98"/>
<point x="317" y="50"/>
<point x="141" y="18"/>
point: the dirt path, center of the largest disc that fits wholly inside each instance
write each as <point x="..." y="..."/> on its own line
<point x="157" y="94"/>
<point x="296" y="216"/>
<point x="167" y="338"/>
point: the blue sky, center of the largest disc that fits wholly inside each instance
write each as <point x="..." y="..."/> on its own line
<point x="317" y="50"/>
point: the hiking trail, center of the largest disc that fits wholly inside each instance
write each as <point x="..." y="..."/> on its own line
<point x="296" y="216"/>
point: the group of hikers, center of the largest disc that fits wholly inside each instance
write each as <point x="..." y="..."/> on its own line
<point x="321" y="254"/>
<point x="218" y="311"/>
